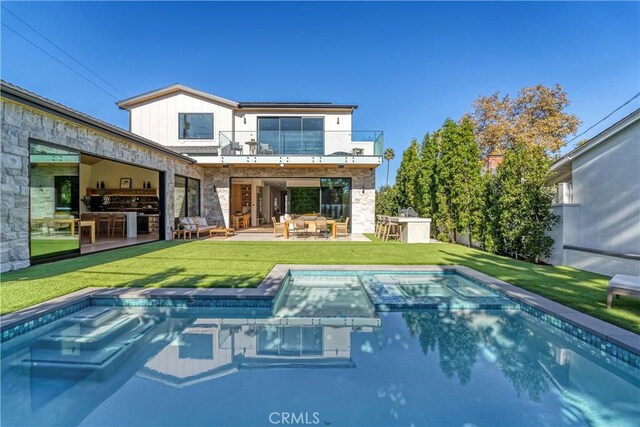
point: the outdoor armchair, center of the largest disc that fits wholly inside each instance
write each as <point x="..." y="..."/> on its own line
<point x="342" y="228"/>
<point x="278" y="227"/>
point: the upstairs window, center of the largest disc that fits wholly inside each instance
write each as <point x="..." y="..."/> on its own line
<point x="195" y="125"/>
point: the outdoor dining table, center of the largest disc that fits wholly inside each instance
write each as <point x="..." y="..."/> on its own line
<point x="331" y="222"/>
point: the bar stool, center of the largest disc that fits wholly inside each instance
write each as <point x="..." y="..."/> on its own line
<point x="393" y="230"/>
<point x="378" y="225"/>
<point x="119" y="221"/>
<point x="86" y="231"/>
<point x="382" y="228"/>
<point x="104" y="224"/>
<point x="246" y="221"/>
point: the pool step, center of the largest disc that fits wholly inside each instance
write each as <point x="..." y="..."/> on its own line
<point x="91" y="316"/>
<point x="86" y="337"/>
<point x="318" y="302"/>
<point x="72" y="359"/>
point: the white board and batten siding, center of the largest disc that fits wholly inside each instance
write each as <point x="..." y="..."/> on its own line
<point x="158" y="120"/>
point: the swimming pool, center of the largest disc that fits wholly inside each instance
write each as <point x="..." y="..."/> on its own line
<point x="360" y="359"/>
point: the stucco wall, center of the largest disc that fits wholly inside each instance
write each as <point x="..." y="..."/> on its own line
<point x="20" y="124"/>
<point x="605" y="211"/>
<point x="565" y="232"/>
<point x="216" y="203"/>
<point x="606" y="185"/>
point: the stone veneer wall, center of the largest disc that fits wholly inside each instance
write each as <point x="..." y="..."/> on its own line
<point x="216" y="203"/>
<point x="19" y="125"/>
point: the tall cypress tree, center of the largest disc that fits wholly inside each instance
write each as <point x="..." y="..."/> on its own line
<point x="524" y="203"/>
<point x="459" y="185"/>
<point x="468" y="183"/>
<point x="446" y="214"/>
<point x="407" y="176"/>
<point x="427" y="183"/>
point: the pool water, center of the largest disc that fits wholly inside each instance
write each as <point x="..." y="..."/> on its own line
<point x="310" y="361"/>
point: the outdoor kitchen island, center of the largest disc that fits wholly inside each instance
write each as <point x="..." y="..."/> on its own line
<point x="414" y="229"/>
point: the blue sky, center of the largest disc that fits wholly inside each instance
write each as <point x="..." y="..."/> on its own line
<point x="408" y="65"/>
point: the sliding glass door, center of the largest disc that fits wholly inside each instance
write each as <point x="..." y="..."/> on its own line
<point x="291" y="135"/>
<point x="54" y="201"/>
<point x="335" y="198"/>
<point x="186" y="197"/>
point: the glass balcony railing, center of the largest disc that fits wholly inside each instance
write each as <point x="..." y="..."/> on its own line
<point x="302" y="143"/>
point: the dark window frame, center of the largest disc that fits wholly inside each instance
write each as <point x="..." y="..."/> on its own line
<point x="302" y="130"/>
<point x="176" y="215"/>
<point x="74" y="254"/>
<point x="181" y="137"/>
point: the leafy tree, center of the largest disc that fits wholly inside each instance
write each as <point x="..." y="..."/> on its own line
<point x="389" y="155"/>
<point x="535" y="118"/>
<point x="449" y="333"/>
<point x="521" y="355"/>
<point x="386" y="200"/>
<point x="523" y="205"/>
<point x="407" y="176"/>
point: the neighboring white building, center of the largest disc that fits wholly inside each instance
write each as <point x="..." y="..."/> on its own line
<point x="598" y="202"/>
<point x="266" y="158"/>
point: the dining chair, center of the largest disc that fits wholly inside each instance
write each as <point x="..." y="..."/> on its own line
<point x="321" y="227"/>
<point x="299" y="227"/>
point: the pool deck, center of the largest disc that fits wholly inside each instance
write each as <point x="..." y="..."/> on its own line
<point x="270" y="285"/>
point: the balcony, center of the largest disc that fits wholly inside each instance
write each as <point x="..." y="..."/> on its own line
<point x="300" y="143"/>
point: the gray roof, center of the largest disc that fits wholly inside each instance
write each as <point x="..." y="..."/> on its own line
<point x="23" y="96"/>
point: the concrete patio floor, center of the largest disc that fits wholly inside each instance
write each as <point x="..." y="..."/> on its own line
<point x="246" y="236"/>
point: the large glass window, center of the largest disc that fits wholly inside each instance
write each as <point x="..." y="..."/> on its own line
<point x="195" y="125"/>
<point x="292" y="135"/>
<point x="290" y="341"/>
<point x="180" y="197"/>
<point x="193" y="197"/>
<point x="54" y="200"/>
<point x="335" y="198"/>
<point x="186" y="197"/>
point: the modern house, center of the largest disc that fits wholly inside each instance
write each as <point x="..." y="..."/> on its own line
<point x="598" y="201"/>
<point x="266" y="158"/>
<point x="73" y="184"/>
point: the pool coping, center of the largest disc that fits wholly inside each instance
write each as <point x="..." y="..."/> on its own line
<point x="270" y="285"/>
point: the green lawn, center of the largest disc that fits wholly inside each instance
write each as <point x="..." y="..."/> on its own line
<point x="244" y="264"/>
<point x="47" y="246"/>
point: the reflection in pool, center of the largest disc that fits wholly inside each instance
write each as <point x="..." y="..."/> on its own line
<point x="182" y="367"/>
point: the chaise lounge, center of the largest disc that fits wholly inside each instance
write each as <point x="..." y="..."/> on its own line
<point x="623" y="284"/>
